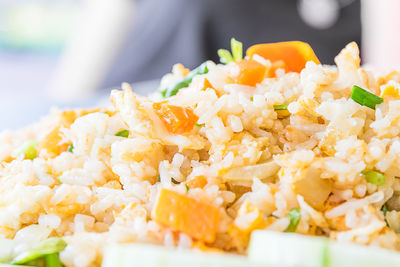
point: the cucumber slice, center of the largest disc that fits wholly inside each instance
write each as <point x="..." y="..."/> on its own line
<point x="288" y="249"/>
<point x="361" y="256"/>
<point x="128" y="255"/>
<point x="294" y="250"/>
<point x="6" y="250"/>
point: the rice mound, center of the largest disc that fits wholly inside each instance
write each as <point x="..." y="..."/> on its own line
<point x="103" y="191"/>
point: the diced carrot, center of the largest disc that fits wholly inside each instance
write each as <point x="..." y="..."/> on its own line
<point x="197" y="182"/>
<point x="177" y="119"/>
<point x="181" y="213"/>
<point x="250" y="72"/>
<point x="206" y="85"/>
<point x="295" y="54"/>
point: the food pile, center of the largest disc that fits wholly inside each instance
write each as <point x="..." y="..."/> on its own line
<point x="273" y="140"/>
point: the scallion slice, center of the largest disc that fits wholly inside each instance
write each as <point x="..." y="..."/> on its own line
<point x="123" y="133"/>
<point x="294" y="217"/>
<point x="224" y="56"/>
<point x="237" y="52"/>
<point x="365" y="98"/>
<point x="384" y="210"/>
<point x="374" y="177"/>
<point x="70" y="148"/>
<point x="281" y="107"/>
<point x="53" y="260"/>
<point x="185" y="82"/>
<point x="237" y="49"/>
<point x="187" y="187"/>
<point x="28" y="149"/>
<point x="43" y="249"/>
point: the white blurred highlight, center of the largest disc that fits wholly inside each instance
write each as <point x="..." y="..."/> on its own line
<point x="102" y="29"/>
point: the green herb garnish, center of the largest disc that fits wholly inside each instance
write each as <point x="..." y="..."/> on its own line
<point x="281" y="107"/>
<point x="175" y="181"/>
<point x="70" y="148"/>
<point x="187" y="187"/>
<point x="374" y="177"/>
<point x="43" y="249"/>
<point x="28" y="149"/>
<point x="159" y="178"/>
<point x="185" y="82"/>
<point x="224" y="56"/>
<point x="294" y="217"/>
<point x="199" y="124"/>
<point x="365" y="98"/>
<point x="384" y="210"/>
<point x="237" y="52"/>
<point x="237" y="49"/>
<point x="123" y="133"/>
<point x="53" y="260"/>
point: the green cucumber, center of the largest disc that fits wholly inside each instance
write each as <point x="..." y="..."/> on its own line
<point x="287" y="249"/>
<point x="128" y="255"/>
<point x="363" y="256"/>
<point x="294" y="250"/>
<point x="6" y="250"/>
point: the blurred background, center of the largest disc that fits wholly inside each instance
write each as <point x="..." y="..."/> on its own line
<point x="70" y="53"/>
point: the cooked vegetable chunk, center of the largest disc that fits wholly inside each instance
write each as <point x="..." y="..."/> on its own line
<point x="295" y="54"/>
<point x="181" y="213"/>
<point x="177" y="119"/>
<point x="250" y="72"/>
<point x="45" y="248"/>
<point x="314" y="189"/>
<point x="365" y="98"/>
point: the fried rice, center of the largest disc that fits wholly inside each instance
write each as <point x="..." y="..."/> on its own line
<point x="99" y="174"/>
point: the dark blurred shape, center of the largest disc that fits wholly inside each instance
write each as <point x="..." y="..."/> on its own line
<point x="191" y="31"/>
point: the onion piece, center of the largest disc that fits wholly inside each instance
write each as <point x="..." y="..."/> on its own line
<point x="248" y="173"/>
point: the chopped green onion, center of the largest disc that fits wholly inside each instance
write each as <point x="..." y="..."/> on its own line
<point x="237" y="52"/>
<point x="185" y="82"/>
<point x="237" y="49"/>
<point x="123" y="133"/>
<point x="199" y="124"/>
<point x="175" y="181"/>
<point x="294" y="217"/>
<point x="70" y="148"/>
<point x="28" y="149"/>
<point x="187" y="187"/>
<point x="53" y="260"/>
<point x="365" y="98"/>
<point x="374" y="177"/>
<point x="224" y="56"/>
<point x="159" y="178"/>
<point x="281" y="107"/>
<point x="384" y="210"/>
<point x="44" y="248"/>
